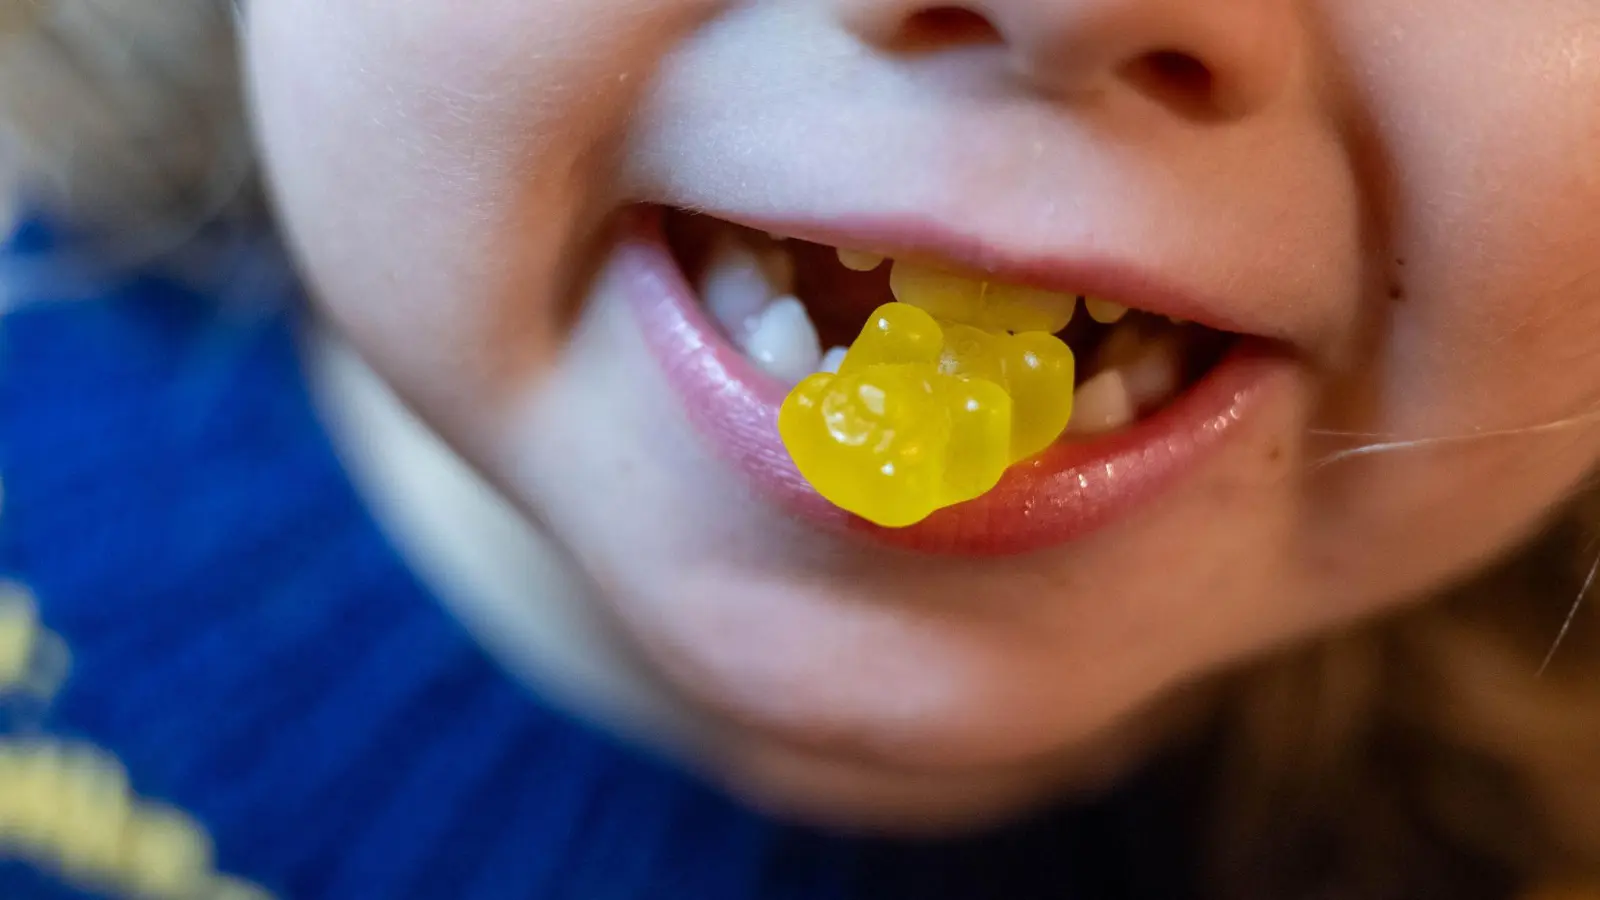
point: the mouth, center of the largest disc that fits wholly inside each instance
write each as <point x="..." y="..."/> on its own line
<point x="738" y="313"/>
<point x="792" y="307"/>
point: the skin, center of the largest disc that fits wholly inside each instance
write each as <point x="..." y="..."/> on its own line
<point x="1400" y="191"/>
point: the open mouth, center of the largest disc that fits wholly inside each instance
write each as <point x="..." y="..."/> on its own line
<point x="737" y="314"/>
<point x="792" y="307"/>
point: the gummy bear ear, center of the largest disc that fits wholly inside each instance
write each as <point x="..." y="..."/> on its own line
<point x="980" y="438"/>
<point x="896" y="334"/>
<point x="1040" y="376"/>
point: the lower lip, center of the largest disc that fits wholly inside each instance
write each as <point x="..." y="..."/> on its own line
<point x="1064" y="493"/>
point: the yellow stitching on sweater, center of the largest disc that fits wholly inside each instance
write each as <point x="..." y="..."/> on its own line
<point x="19" y="632"/>
<point x="33" y="660"/>
<point x="68" y="807"/>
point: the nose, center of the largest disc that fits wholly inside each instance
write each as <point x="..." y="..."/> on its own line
<point x="1202" y="58"/>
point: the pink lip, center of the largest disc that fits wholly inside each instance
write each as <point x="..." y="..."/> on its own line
<point x="1067" y="491"/>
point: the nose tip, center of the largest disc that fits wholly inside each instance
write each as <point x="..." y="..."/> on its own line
<point x="1204" y="58"/>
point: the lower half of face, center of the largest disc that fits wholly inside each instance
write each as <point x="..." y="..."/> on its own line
<point x="1305" y="233"/>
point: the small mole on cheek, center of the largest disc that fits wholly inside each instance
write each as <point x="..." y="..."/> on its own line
<point x="1275" y="454"/>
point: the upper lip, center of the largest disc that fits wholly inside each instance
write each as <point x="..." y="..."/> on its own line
<point x="935" y="243"/>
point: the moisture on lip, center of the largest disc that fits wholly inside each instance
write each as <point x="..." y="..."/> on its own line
<point x="939" y="394"/>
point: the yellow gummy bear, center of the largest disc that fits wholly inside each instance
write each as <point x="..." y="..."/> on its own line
<point x="989" y="305"/>
<point x="924" y="414"/>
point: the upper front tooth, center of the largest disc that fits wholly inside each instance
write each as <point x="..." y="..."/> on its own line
<point x="784" y="342"/>
<point x="858" y="261"/>
<point x="735" y="286"/>
<point x="1104" y="311"/>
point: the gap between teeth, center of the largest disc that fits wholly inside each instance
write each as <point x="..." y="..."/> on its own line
<point x="749" y="292"/>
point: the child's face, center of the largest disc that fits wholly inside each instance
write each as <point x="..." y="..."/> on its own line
<point x="1401" y="198"/>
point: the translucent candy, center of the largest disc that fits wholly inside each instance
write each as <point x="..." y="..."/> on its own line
<point x="988" y="305"/>
<point x="1040" y="371"/>
<point x="924" y="414"/>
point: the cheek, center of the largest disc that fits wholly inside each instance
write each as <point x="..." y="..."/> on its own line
<point x="1485" y="133"/>
<point x="1488" y="138"/>
<point x="455" y="172"/>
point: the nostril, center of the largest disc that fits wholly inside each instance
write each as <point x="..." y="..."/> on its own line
<point x="1180" y="70"/>
<point x="1177" y="79"/>
<point x="948" y="26"/>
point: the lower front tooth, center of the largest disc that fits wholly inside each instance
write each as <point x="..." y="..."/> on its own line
<point x="783" y="342"/>
<point x="1101" y="404"/>
<point x="1153" y="376"/>
<point x="832" y="359"/>
<point x="1152" y="365"/>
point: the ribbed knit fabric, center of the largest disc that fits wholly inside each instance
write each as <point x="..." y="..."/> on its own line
<point x="255" y="653"/>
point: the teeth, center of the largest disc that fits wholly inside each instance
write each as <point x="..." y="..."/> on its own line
<point x="857" y="261"/>
<point x="1101" y="404"/>
<point x="1150" y="366"/>
<point x="1137" y="373"/>
<point x="749" y="292"/>
<point x="1153" y="377"/>
<point x="783" y="342"/>
<point x="736" y="287"/>
<point x="1104" y="311"/>
<point x="832" y="359"/>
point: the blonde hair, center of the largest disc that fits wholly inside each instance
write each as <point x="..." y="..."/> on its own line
<point x="1381" y="762"/>
<point x="124" y="116"/>
<point x="1455" y="743"/>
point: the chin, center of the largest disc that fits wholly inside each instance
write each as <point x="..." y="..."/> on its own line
<point x="922" y="777"/>
<point x="841" y="793"/>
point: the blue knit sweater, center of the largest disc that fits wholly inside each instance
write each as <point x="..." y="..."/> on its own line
<point x="296" y="716"/>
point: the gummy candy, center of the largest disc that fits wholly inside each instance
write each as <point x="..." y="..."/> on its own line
<point x="928" y="412"/>
<point x="988" y="305"/>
